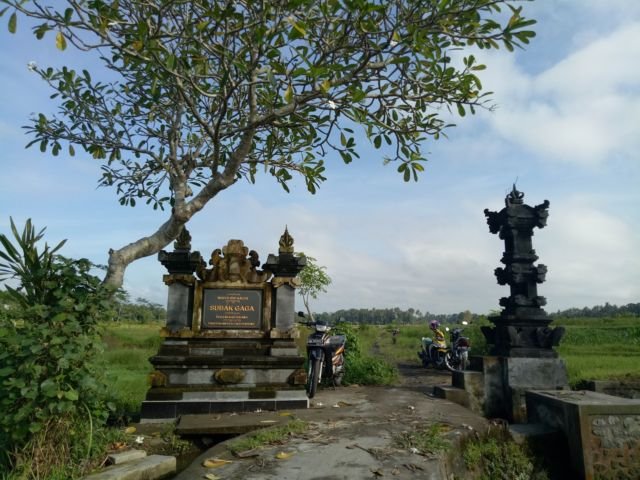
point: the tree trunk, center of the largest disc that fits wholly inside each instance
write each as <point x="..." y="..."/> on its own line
<point x="120" y="259"/>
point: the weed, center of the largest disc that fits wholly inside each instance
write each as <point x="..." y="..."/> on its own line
<point x="268" y="436"/>
<point x="495" y="455"/>
<point x="427" y="439"/>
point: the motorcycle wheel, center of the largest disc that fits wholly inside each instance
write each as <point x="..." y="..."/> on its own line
<point x="441" y="360"/>
<point x="449" y="362"/>
<point x="314" y="377"/>
<point x="424" y="359"/>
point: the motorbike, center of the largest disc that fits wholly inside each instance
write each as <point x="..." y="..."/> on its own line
<point x="325" y="356"/>
<point x="457" y="356"/>
<point x="433" y="353"/>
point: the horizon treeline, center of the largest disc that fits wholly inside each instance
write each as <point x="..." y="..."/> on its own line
<point x="386" y="316"/>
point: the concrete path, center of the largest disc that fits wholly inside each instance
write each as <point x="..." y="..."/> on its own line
<point x="353" y="435"/>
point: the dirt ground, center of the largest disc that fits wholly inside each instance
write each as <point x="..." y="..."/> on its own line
<point x="355" y="432"/>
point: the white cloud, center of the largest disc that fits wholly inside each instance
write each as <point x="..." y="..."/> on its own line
<point x="592" y="256"/>
<point x="584" y="109"/>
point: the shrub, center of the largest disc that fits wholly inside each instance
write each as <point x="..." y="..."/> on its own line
<point x="50" y="387"/>
<point x="360" y="368"/>
<point x="495" y="456"/>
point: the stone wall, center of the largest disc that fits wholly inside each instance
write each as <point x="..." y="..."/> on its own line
<point x="615" y="446"/>
<point x="602" y="431"/>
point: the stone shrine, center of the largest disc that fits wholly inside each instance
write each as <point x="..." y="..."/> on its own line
<point x="522" y="328"/>
<point x="522" y="341"/>
<point x="229" y="339"/>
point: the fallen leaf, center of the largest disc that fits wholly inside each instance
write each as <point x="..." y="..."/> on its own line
<point x="214" y="462"/>
<point x="377" y="472"/>
<point x="344" y="404"/>
<point x="284" y="455"/>
<point x="118" y="445"/>
<point x="211" y="476"/>
<point x="130" y="430"/>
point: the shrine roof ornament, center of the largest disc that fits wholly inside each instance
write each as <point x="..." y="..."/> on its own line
<point x="286" y="242"/>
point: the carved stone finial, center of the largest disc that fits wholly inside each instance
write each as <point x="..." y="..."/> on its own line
<point x="286" y="242"/>
<point x="183" y="242"/>
<point x="514" y="197"/>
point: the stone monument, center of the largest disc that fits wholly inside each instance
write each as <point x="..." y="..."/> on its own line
<point x="522" y="328"/>
<point x="229" y="339"/>
<point x="522" y="341"/>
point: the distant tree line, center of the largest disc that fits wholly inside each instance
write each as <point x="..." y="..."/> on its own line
<point x="606" y="310"/>
<point x="388" y="316"/>
<point x="138" y="311"/>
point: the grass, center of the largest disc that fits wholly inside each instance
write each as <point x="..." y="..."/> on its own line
<point x="427" y="439"/>
<point x="495" y="455"/>
<point x="126" y="356"/>
<point x="268" y="436"/>
<point x="605" y="348"/>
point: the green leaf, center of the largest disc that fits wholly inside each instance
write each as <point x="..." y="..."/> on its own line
<point x="71" y="395"/>
<point x="61" y="42"/>
<point x="13" y="20"/>
<point x="461" y="111"/>
<point x="288" y="94"/>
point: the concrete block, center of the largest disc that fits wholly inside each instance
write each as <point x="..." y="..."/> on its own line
<point x="149" y="468"/>
<point x="217" y="396"/>
<point x="284" y="352"/>
<point x="123" y="457"/>
<point x="200" y="377"/>
<point x="603" y="431"/>
<point x="453" y="394"/>
<point x="207" y="352"/>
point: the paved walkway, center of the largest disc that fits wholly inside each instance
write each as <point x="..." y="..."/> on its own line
<point x="353" y="435"/>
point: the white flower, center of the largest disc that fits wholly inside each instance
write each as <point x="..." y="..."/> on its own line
<point x="332" y="105"/>
<point x="32" y="65"/>
<point x="139" y="439"/>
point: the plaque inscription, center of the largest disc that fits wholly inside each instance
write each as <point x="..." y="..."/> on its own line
<point x="224" y="308"/>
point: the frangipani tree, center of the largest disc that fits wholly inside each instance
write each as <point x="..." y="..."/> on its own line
<point x="204" y="93"/>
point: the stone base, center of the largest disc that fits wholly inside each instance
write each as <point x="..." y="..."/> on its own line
<point x="205" y="375"/>
<point x="199" y="402"/>
<point x="496" y="386"/>
<point x="602" y="431"/>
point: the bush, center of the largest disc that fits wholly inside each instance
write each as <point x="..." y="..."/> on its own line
<point x="50" y="388"/>
<point x="495" y="456"/>
<point x="360" y="368"/>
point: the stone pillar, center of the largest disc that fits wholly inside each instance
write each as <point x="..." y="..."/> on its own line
<point x="285" y="267"/>
<point x="181" y="264"/>
<point x="522" y="328"/>
<point x="522" y="341"/>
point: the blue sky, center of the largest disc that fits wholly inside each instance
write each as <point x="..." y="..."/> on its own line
<point x="566" y="126"/>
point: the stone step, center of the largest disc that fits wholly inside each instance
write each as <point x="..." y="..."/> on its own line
<point x="453" y="394"/>
<point x="468" y="379"/>
<point x="152" y="467"/>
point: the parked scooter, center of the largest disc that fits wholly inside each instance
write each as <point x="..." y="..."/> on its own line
<point x="325" y="356"/>
<point x="433" y="353"/>
<point x="457" y="357"/>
